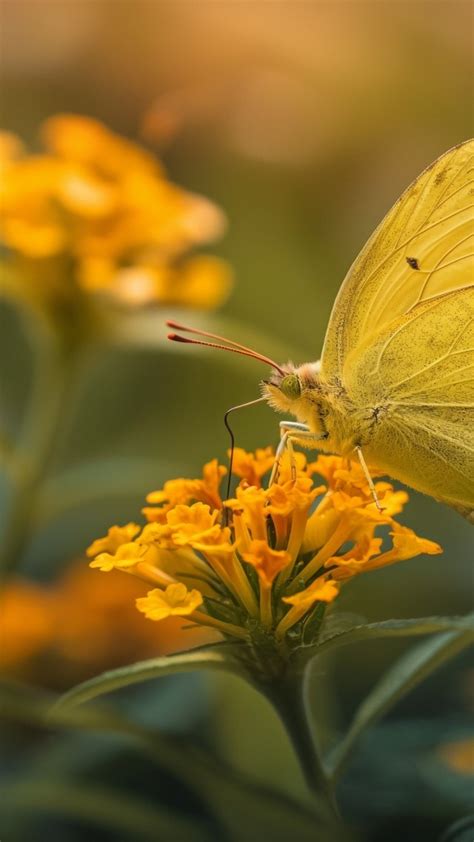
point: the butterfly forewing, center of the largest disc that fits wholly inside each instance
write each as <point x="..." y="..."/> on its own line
<point x="423" y="248"/>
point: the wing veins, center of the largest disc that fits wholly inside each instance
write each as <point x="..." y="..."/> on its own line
<point x="438" y="268"/>
<point x="409" y="227"/>
<point x="458" y="190"/>
<point x="408" y="431"/>
<point x="429" y="184"/>
<point x="423" y="230"/>
<point x="425" y="190"/>
<point x="441" y="405"/>
<point x="442" y="385"/>
<point x="402" y="327"/>
<point x="442" y="435"/>
<point x="442" y="196"/>
<point x="402" y="246"/>
<point x="430" y="366"/>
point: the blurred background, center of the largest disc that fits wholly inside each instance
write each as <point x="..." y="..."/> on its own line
<point x="303" y="122"/>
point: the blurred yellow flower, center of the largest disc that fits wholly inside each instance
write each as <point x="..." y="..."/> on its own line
<point x="285" y="553"/>
<point x="107" y="205"/>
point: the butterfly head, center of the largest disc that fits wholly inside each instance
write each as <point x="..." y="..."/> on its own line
<point x="287" y="389"/>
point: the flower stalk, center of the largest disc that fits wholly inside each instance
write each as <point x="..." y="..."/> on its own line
<point x="36" y="443"/>
<point x="287" y="697"/>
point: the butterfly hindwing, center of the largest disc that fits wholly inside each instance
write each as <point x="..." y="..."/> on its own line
<point x="420" y="370"/>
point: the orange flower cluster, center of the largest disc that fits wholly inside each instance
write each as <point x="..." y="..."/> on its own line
<point x="268" y="557"/>
<point x="106" y="203"/>
<point x="61" y="634"/>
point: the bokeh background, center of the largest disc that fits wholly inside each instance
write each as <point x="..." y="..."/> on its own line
<point x="303" y="121"/>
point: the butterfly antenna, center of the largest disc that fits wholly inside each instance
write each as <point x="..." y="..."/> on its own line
<point x="220" y="343"/>
<point x="232" y="446"/>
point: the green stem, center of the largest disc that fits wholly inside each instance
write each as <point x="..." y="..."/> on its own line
<point x="35" y="448"/>
<point x="288" y="698"/>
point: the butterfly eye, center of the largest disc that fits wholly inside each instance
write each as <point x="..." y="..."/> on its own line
<point x="290" y="386"/>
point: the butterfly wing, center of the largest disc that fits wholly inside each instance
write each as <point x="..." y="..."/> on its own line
<point x="419" y="371"/>
<point x="423" y="248"/>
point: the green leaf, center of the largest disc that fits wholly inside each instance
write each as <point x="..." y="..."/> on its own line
<point x="214" y="657"/>
<point x="385" y="628"/>
<point x="256" y="813"/>
<point x="97" y="805"/>
<point x="408" y="671"/>
<point x="244" y="808"/>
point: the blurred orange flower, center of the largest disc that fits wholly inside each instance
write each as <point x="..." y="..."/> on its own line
<point x="107" y="205"/>
<point x="57" y="635"/>
<point x="459" y="756"/>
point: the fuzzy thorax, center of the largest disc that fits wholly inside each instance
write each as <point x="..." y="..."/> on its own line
<point x="325" y="408"/>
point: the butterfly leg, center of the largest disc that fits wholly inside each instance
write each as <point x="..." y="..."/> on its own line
<point x="369" y="479"/>
<point x="290" y="431"/>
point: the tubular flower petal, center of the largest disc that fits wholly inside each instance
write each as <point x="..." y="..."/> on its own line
<point x="183" y="491"/>
<point x="355" y="560"/>
<point x="176" y="600"/>
<point x="252" y="466"/>
<point x="320" y="525"/>
<point x="267" y="562"/>
<point x="286" y="498"/>
<point x="322" y="590"/>
<point x="116" y="536"/>
<point x="341" y="474"/>
<point x="406" y="544"/>
<point x="191" y="520"/>
<point x="156" y="534"/>
<point x="127" y="555"/>
<point x="262" y="562"/>
<point x="252" y="502"/>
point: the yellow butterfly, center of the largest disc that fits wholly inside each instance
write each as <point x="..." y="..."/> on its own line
<point x="395" y="384"/>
